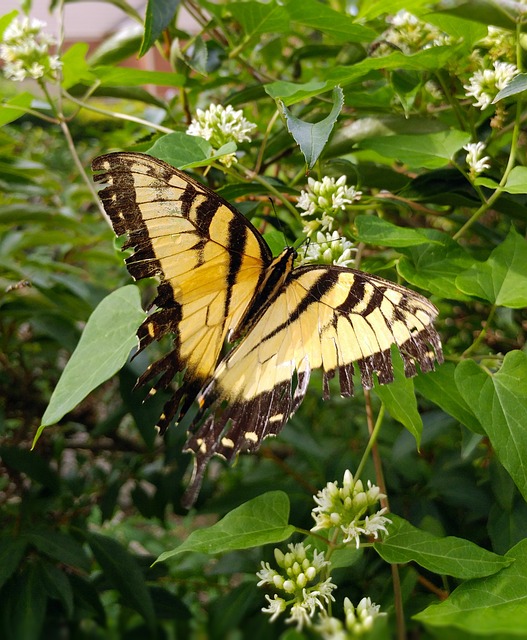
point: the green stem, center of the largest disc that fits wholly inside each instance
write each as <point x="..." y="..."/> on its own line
<point x="482" y="333"/>
<point x="500" y="188"/>
<point x="371" y="442"/>
<point x="119" y="116"/>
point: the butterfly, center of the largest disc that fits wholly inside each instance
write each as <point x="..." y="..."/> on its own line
<point x="220" y="284"/>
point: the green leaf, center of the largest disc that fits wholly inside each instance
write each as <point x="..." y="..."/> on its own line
<point x="129" y="77"/>
<point x="375" y="8"/>
<point x="426" y="60"/>
<point x="517" y="181"/>
<point x="459" y="28"/>
<point x="103" y="349"/>
<point x="15" y="108"/>
<point x="517" y="85"/>
<point x="440" y="387"/>
<point x="33" y="465"/>
<point x="260" y="521"/>
<point x="451" y="556"/>
<point x="257" y="18"/>
<point x="335" y="24"/>
<point x="178" y="149"/>
<point x="487" y="606"/>
<point x="312" y="137"/>
<point x="429" y="150"/>
<point x="26" y="605"/>
<point x="159" y="14"/>
<point x="6" y="20"/>
<point x="399" y="398"/>
<point x="59" y="546"/>
<point x="11" y="553"/>
<point x="435" y="266"/>
<point x="376" y="231"/>
<point x="123" y="572"/>
<point x="75" y="69"/>
<point x="57" y="586"/>
<point x="502" y="279"/>
<point x="499" y="401"/>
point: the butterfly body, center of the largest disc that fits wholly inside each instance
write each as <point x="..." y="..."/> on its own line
<point x="219" y="282"/>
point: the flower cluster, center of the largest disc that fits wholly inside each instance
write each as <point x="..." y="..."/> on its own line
<point x="499" y="44"/>
<point x="485" y="84"/>
<point x="25" y="51"/>
<point x="358" y="621"/>
<point x="220" y="125"/>
<point x="330" y="248"/>
<point x="410" y="34"/>
<point x="324" y="199"/>
<point x="346" y="507"/>
<point x="477" y="163"/>
<point x="298" y="584"/>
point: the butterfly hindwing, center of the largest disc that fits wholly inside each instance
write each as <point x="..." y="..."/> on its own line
<point x="325" y="317"/>
<point x="208" y="257"/>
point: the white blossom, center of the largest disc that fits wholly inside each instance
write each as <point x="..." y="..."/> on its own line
<point x="220" y="125"/>
<point x="346" y="508"/>
<point x="329" y="248"/>
<point x="25" y="51"/>
<point x="485" y="84"/>
<point x="477" y="163"/>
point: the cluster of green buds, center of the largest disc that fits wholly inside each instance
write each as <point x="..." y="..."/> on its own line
<point x="322" y="200"/>
<point x="220" y="125"/>
<point x="358" y="621"/>
<point x="410" y="34"/>
<point x="298" y="584"/>
<point x="25" y="51"/>
<point x="330" y="248"/>
<point x="347" y="508"/>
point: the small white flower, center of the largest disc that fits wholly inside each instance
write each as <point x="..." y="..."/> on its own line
<point x="485" y="84"/>
<point x="477" y="163"/>
<point x="276" y="606"/>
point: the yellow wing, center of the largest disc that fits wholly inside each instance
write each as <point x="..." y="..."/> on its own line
<point x="327" y="318"/>
<point x="210" y="261"/>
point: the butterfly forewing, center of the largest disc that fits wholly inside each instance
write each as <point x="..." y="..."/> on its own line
<point x="209" y="260"/>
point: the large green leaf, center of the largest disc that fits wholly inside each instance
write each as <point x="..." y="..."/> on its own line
<point x="517" y="180"/>
<point x="104" y="347"/>
<point x="335" y="24"/>
<point x="129" y="77"/>
<point x="435" y="266"/>
<point x="487" y="606"/>
<point x="376" y="231"/>
<point x="446" y="556"/>
<point x="11" y="553"/>
<point x="399" y="398"/>
<point x="428" y="150"/>
<point x="15" y="107"/>
<point x="59" y="546"/>
<point x="159" y="14"/>
<point x="502" y="279"/>
<point x="499" y="401"/>
<point x="123" y="572"/>
<point x="440" y="387"/>
<point x="517" y="85"/>
<point x="75" y="69"/>
<point x="312" y="137"/>
<point x="258" y="18"/>
<point x="260" y="521"/>
<point x="24" y="605"/>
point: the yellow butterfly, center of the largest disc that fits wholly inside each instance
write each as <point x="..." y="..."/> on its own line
<point x="219" y="282"/>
